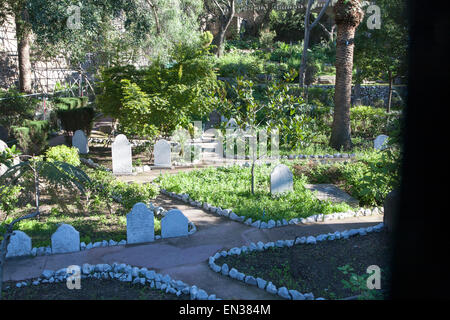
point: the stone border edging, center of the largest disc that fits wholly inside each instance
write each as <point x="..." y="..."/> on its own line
<point x="228" y="213"/>
<point x="124" y="273"/>
<point x="260" y="246"/>
<point x="160" y="211"/>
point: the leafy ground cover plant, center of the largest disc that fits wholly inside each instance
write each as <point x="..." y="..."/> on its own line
<point x="230" y="188"/>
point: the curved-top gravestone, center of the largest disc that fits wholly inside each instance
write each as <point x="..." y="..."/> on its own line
<point x="19" y="245"/>
<point x="3" y="147"/>
<point x="380" y="142"/>
<point x="80" y="141"/>
<point x="174" y="224"/>
<point x="281" y="180"/>
<point x="65" y="239"/>
<point x="140" y="224"/>
<point x="121" y="155"/>
<point x="161" y="153"/>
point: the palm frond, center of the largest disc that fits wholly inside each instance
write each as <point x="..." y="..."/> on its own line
<point x="15" y="172"/>
<point x="57" y="172"/>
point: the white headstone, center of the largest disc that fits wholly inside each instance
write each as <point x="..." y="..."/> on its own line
<point x="281" y="180"/>
<point x="174" y="224"/>
<point x="121" y="155"/>
<point x="19" y="245"/>
<point x="65" y="239"/>
<point x="380" y="142"/>
<point x="80" y="141"/>
<point x="3" y="147"/>
<point x="161" y="153"/>
<point x="140" y="224"/>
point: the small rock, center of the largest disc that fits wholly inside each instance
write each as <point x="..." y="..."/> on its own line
<point x="261" y="283"/>
<point x="311" y="240"/>
<point x="284" y="293"/>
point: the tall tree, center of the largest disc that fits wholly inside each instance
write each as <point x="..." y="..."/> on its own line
<point x="225" y="11"/>
<point x="348" y="15"/>
<point x="150" y="27"/>
<point x="382" y="44"/>
<point x="19" y="12"/>
<point x="308" y="27"/>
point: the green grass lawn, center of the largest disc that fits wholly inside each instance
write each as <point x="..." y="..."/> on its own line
<point x="230" y="188"/>
<point x="93" y="227"/>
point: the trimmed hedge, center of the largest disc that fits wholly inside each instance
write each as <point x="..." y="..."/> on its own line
<point x="77" y="119"/>
<point x="32" y="136"/>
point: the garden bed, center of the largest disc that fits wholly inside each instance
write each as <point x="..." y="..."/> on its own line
<point x="314" y="268"/>
<point x="97" y="217"/>
<point x="91" y="289"/>
<point x="230" y="188"/>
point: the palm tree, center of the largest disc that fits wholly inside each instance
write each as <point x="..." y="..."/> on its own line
<point x="348" y="15"/>
<point x="54" y="172"/>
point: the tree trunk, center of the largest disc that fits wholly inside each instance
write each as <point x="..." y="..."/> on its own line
<point x="155" y="14"/>
<point x="225" y="21"/>
<point x="304" y="56"/>
<point x="391" y="79"/>
<point x="340" y="133"/>
<point x="23" y="35"/>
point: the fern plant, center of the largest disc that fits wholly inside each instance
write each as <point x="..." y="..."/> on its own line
<point x="54" y="172"/>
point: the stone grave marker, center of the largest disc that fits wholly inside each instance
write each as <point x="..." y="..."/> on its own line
<point x="329" y="192"/>
<point x="19" y="245"/>
<point x="380" y="142"/>
<point x="281" y="180"/>
<point x="174" y="224"/>
<point x="80" y="141"/>
<point x="65" y="239"/>
<point x="162" y="154"/>
<point x="3" y="147"/>
<point x="121" y="155"/>
<point x="140" y="224"/>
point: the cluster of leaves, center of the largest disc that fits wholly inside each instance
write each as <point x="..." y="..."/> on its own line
<point x="107" y="187"/>
<point x="358" y="284"/>
<point x="32" y="136"/>
<point x="230" y="188"/>
<point x="65" y="154"/>
<point x="369" y="179"/>
<point x="15" y="107"/>
<point x="160" y="97"/>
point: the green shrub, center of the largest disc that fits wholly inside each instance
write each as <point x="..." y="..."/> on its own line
<point x="237" y="64"/>
<point x="161" y="95"/>
<point x="15" y="108"/>
<point x="67" y="103"/>
<point x="32" y="136"/>
<point x="64" y="153"/>
<point x="108" y="188"/>
<point x="373" y="177"/>
<point x="266" y="38"/>
<point x="77" y="119"/>
<point x="368" y="122"/>
<point x="9" y="197"/>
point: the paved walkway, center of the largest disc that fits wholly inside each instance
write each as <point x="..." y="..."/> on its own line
<point x="186" y="258"/>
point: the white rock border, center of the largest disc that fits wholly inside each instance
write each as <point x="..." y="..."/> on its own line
<point x="228" y="213"/>
<point x="260" y="246"/>
<point x="46" y="251"/>
<point x="124" y="273"/>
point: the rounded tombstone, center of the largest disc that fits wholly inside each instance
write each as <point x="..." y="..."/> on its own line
<point x="174" y="224"/>
<point x="19" y="245"/>
<point x="65" y="239"/>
